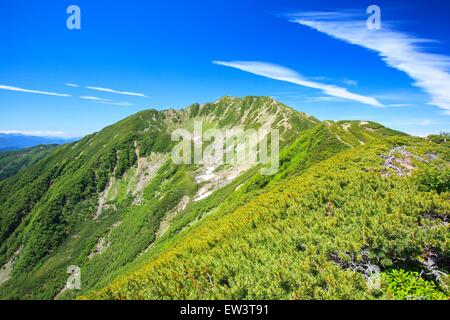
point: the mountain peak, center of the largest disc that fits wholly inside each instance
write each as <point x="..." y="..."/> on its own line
<point x="265" y="99"/>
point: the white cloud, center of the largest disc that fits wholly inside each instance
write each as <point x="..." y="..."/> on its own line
<point x="402" y="96"/>
<point x="10" y="88"/>
<point x="404" y="52"/>
<point x="120" y="104"/>
<point x="420" y="127"/>
<point x="281" y="73"/>
<point x="92" y="98"/>
<point x="350" y="82"/>
<point x="118" y="92"/>
<point x="400" y="105"/>
<point x="319" y="78"/>
<point x="107" y="101"/>
<point x="324" y="99"/>
<point x="418" y="122"/>
<point x="72" y="85"/>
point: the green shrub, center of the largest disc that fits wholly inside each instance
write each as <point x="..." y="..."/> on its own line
<point x="433" y="179"/>
<point x="408" y="285"/>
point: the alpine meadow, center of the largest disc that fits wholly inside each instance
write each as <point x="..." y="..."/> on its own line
<point x="347" y="195"/>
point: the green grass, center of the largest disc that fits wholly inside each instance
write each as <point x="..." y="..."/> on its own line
<point x="279" y="245"/>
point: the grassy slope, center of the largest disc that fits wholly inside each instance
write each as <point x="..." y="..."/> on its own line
<point x="311" y="147"/>
<point x="12" y="162"/>
<point x="62" y="190"/>
<point x="48" y="208"/>
<point x="280" y="244"/>
<point x="308" y="149"/>
<point x="356" y="133"/>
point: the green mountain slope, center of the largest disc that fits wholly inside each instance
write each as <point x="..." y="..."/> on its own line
<point x="300" y="239"/>
<point x="12" y="162"/>
<point x="114" y="204"/>
<point x="355" y="133"/>
<point x="118" y="181"/>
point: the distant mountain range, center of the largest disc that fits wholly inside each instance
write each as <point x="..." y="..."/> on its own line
<point x="15" y="141"/>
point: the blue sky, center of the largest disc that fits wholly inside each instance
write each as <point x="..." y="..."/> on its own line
<point x="169" y="54"/>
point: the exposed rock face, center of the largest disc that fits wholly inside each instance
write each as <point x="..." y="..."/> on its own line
<point x="103" y="243"/>
<point x="165" y="222"/>
<point x="146" y="169"/>
<point x="399" y="159"/>
<point x="6" y="270"/>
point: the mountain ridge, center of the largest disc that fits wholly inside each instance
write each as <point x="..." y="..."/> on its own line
<point x="113" y="200"/>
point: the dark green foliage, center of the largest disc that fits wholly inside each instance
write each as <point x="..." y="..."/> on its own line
<point x="442" y="138"/>
<point x="434" y="179"/>
<point x="12" y="162"/>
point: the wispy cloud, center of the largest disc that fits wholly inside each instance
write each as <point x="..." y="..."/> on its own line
<point x="402" y="96"/>
<point x="281" y="73"/>
<point x="324" y="99"/>
<point x="72" y="85"/>
<point x="400" y="105"/>
<point x="107" y="101"/>
<point x="92" y="98"/>
<point x="399" y="50"/>
<point x="350" y="82"/>
<point x="10" y="88"/>
<point x="136" y="94"/>
<point x="120" y="104"/>
<point x="417" y="122"/>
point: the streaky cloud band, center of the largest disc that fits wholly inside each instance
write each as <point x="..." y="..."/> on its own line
<point x="399" y="50"/>
<point x="108" y="90"/>
<point x="281" y="73"/>
<point x="107" y="101"/>
<point x="11" y="88"/>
